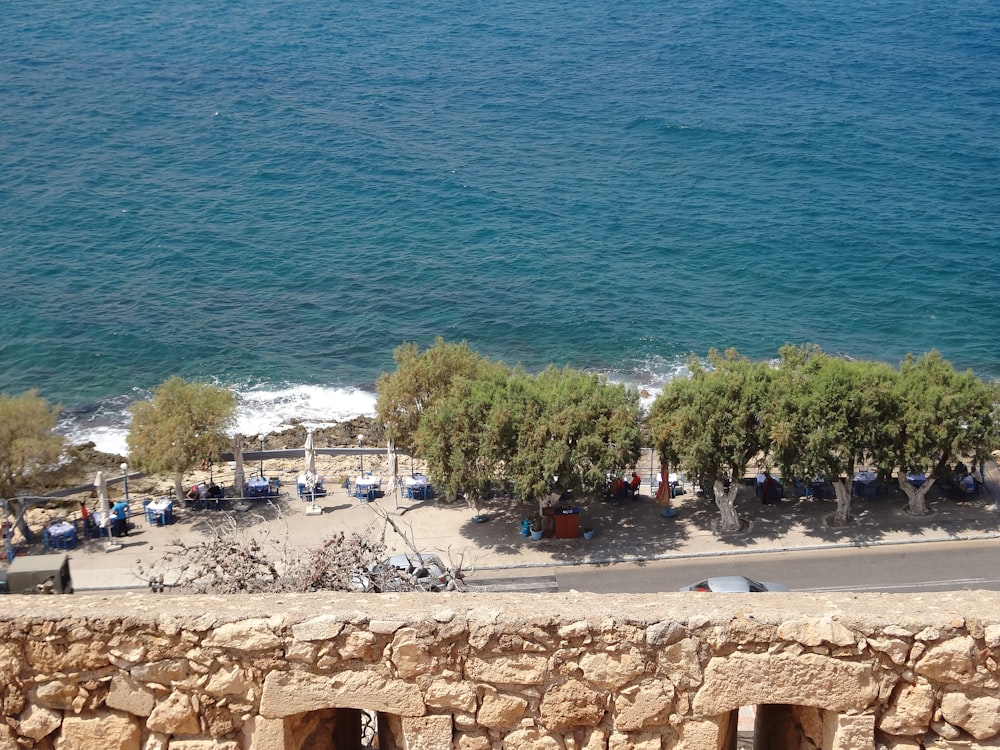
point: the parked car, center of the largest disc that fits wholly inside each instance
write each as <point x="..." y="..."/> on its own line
<point x="409" y="572"/>
<point x="734" y="585"/>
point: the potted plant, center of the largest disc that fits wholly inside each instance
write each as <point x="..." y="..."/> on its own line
<point x="536" y="528"/>
<point x="588" y="532"/>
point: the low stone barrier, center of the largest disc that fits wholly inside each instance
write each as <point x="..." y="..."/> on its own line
<point x="476" y="672"/>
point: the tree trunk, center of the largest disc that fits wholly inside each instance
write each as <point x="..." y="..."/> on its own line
<point x="179" y="486"/>
<point x="917" y="496"/>
<point x="20" y="513"/>
<point x="843" y="513"/>
<point x="726" y="501"/>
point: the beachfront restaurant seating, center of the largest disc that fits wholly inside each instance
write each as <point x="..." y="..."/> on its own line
<point x="304" y="492"/>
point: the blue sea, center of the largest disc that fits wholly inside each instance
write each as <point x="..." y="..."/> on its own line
<point x="273" y="196"/>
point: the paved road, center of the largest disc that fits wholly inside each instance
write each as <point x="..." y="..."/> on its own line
<point x="947" y="566"/>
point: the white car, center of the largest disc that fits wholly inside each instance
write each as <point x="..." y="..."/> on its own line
<point x="734" y="585"/>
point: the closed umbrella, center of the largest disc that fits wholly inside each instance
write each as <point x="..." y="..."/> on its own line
<point x="310" y="448"/>
<point x="238" y="474"/>
<point x="105" y="506"/>
<point x="393" y="465"/>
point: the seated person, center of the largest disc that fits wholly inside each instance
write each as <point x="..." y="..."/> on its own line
<point x="214" y="491"/>
<point x="769" y="490"/>
<point x="968" y="484"/>
<point x="618" y="489"/>
<point x="633" y="485"/>
<point x="194" y="493"/>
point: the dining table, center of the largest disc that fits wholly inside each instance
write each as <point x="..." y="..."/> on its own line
<point x="916" y="478"/>
<point x="63" y="533"/>
<point x="365" y="486"/>
<point x="416" y="486"/>
<point x="160" y="511"/>
<point x="258" y="486"/>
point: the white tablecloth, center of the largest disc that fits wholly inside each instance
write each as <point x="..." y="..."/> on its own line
<point x="258" y="483"/>
<point x="367" y="482"/>
<point x="160" y="505"/>
<point x="417" y="480"/>
<point x="865" y="476"/>
<point x="916" y="478"/>
<point x="61" y="528"/>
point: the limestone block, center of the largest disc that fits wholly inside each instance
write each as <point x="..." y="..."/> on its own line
<point x="450" y="696"/>
<point x="813" y="631"/>
<point x="578" y="629"/>
<point x="949" y="661"/>
<point x="849" y="731"/>
<point x="571" y="704"/>
<point x="289" y="693"/>
<point x="385" y="627"/>
<point x="59" y="694"/>
<point x="409" y="654"/>
<point x="980" y="717"/>
<point x="359" y="644"/>
<point x="643" y="706"/>
<point x="98" y="731"/>
<point x="679" y="661"/>
<point x="8" y="740"/>
<point x="612" y="670"/>
<point x="130" y="696"/>
<point x="698" y="735"/>
<point x="301" y="651"/>
<point x="642" y="741"/>
<point x="11" y="658"/>
<point x="322" y="628"/>
<point x="911" y="712"/>
<point x="37" y="721"/>
<point x="500" y="711"/>
<point x="204" y="745"/>
<point x="992" y="635"/>
<point x="664" y="633"/>
<point x="156" y="741"/>
<point x="177" y="714"/>
<point x="805" y="680"/>
<point x="515" y="669"/>
<point x="164" y="672"/>
<point x="895" y="648"/>
<point x="946" y="730"/>
<point x="474" y="742"/>
<point x="267" y="734"/>
<point x="530" y="739"/>
<point x="227" y="680"/>
<point x="245" y="635"/>
<point x="426" y="732"/>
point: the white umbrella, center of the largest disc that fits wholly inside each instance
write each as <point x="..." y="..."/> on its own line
<point x="238" y="474"/>
<point x="102" y="500"/>
<point x="310" y="448"/>
<point x="393" y="465"/>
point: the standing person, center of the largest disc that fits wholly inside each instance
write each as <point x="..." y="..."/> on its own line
<point x="120" y="521"/>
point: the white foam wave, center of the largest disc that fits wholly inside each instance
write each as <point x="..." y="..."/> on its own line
<point x="259" y="410"/>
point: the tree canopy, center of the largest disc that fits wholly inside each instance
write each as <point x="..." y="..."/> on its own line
<point x="177" y="428"/>
<point x="713" y="423"/>
<point x="480" y="424"/>
<point x="28" y="446"/>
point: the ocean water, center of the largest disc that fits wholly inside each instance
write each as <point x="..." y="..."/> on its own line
<point x="273" y="196"/>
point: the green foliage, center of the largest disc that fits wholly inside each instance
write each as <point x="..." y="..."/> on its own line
<point x="943" y="414"/>
<point x="28" y="446"/>
<point x="714" y="422"/>
<point x="179" y="426"/>
<point x="420" y="379"/>
<point x="479" y="424"/>
<point x="831" y="413"/>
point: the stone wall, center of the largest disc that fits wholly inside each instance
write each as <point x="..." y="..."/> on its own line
<point x="477" y="672"/>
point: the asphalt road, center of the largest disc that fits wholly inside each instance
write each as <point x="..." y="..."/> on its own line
<point x="945" y="566"/>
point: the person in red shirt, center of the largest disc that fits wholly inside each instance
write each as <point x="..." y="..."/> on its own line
<point x="633" y="486"/>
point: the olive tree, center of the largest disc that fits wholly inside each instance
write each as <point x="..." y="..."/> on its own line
<point x="420" y="379"/>
<point x="28" y="446"/>
<point x="179" y="426"/>
<point x="713" y="423"/>
<point x="830" y="414"/>
<point x="942" y="415"/>
<point x="574" y="429"/>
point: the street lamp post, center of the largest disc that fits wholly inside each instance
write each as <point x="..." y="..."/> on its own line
<point x="260" y="439"/>
<point x="125" y="477"/>
<point x="361" y="444"/>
